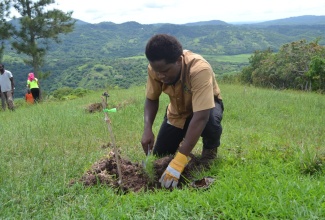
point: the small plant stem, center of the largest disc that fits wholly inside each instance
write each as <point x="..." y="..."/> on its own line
<point x="108" y="121"/>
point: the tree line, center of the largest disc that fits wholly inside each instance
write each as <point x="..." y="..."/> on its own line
<point x="34" y="30"/>
<point x="298" y="65"/>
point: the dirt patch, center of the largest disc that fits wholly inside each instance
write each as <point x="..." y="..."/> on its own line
<point x="94" y="107"/>
<point x="134" y="177"/>
<point x="98" y="107"/>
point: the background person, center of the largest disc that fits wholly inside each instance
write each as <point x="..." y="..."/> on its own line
<point x="3" y="100"/>
<point x="7" y="87"/>
<point x="33" y="85"/>
<point x="195" y="107"/>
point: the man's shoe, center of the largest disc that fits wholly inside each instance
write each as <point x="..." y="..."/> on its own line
<point x="208" y="156"/>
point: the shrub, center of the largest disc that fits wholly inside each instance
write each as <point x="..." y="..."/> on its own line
<point x="69" y="93"/>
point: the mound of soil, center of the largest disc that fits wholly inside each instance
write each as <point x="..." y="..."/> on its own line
<point x="98" y="107"/>
<point x="94" y="107"/>
<point x="134" y="177"/>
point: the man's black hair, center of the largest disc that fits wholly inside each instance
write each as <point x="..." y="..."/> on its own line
<point x="163" y="47"/>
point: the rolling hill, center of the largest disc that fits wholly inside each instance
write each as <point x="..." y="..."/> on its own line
<point x="98" y="55"/>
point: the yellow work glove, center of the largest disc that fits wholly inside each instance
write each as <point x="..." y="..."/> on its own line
<point x="173" y="172"/>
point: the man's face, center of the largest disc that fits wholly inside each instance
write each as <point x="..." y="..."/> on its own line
<point x="1" y="68"/>
<point x="167" y="73"/>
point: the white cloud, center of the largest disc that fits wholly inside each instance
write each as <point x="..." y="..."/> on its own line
<point x="184" y="11"/>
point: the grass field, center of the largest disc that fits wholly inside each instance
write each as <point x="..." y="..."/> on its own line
<point x="271" y="160"/>
<point x="241" y="58"/>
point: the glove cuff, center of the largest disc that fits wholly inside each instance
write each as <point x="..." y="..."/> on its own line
<point x="181" y="159"/>
<point x="179" y="162"/>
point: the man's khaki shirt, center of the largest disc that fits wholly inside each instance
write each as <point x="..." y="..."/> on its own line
<point x="196" y="90"/>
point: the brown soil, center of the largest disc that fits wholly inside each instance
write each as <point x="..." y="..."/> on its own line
<point x="98" y="107"/>
<point x="94" y="107"/>
<point x="134" y="177"/>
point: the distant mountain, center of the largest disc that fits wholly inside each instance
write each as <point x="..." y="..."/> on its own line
<point x="201" y="23"/>
<point x="300" y="20"/>
<point x="94" y="55"/>
<point x="206" y="37"/>
<point x="80" y="22"/>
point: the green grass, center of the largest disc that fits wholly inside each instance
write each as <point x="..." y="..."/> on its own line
<point x="270" y="166"/>
<point x="241" y="58"/>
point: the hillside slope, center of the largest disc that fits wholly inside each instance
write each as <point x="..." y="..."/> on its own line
<point x="93" y="55"/>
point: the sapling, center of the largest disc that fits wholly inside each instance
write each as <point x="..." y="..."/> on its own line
<point x="108" y="121"/>
<point x="149" y="168"/>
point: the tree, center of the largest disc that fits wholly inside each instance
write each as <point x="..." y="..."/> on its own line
<point x="316" y="73"/>
<point x="37" y="27"/>
<point x="5" y="27"/>
<point x="255" y="62"/>
<point x="297" y="65"/>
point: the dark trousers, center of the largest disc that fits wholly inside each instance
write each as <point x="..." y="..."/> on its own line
<point x="35" y="93"/>
<point x="169" y="136"/>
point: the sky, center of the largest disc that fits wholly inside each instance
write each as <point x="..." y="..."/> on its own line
<point x="187" y="11"/>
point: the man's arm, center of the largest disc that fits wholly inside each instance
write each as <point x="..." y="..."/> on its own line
<point x="194" y="131"/>
<point x="150" y="112"/>
<point x="173" y="172"/>
<point x="12" y="84"/>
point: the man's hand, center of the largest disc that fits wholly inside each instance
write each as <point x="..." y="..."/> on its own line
<point x="148" y="139"/>
<point x="173" y="172"/>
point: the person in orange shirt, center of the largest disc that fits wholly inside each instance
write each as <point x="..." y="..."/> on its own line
<point x="29" y="97"/>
